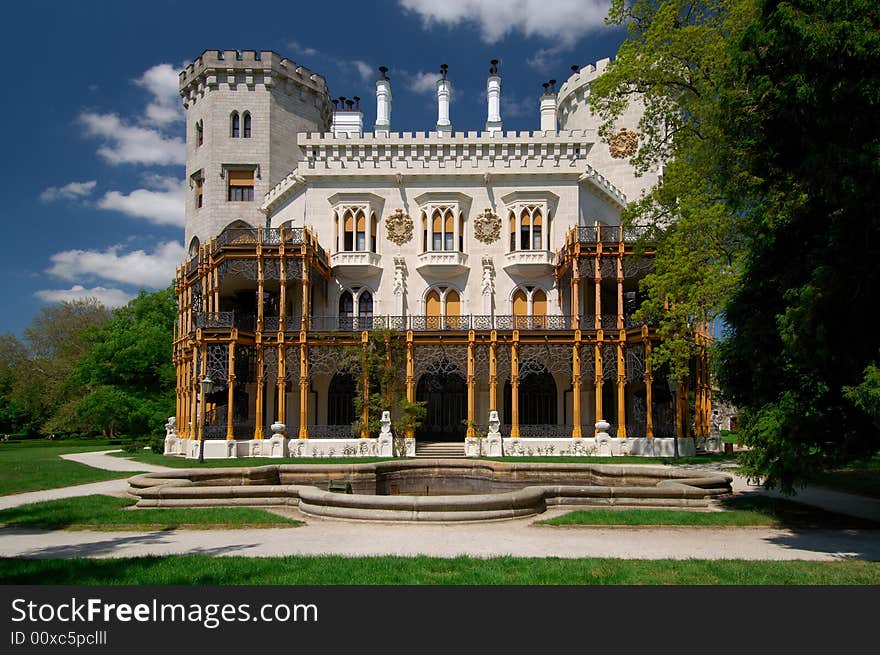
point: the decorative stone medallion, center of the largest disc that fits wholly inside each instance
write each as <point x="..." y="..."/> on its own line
<point x="487" y="226"/>
<point x="623" y="143"/>
<point x="399" y="227"/>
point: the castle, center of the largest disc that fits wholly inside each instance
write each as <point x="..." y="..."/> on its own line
<point x="496" y="259"/>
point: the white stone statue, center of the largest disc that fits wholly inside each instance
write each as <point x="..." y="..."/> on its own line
<point x="494" y="436"/>
<point x="171" y="427"/>
<point x="487" y="285"/>
<point x="386" y="439"/>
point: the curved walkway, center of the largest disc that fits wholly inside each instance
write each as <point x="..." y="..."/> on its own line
<point x="98" y="459"/>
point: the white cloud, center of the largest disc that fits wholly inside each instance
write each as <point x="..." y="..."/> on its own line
<point x="301" y="49"/>
<point x="563" y="21"/>
<point x="107" y="297"/>
<point x="364" y="70"/>
<point x="422" y="82"/>
<point x="70" y="191"/>
<point x="163" y="204"/>
<point x="131" y="144"/>
<point x="162" y="82"/>
<point x="512" y="107"/>
<point x="545" y="59"/>
<point x="139" y="268"/>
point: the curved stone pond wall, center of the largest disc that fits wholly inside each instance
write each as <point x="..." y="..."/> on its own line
<point x="432" y="490"/>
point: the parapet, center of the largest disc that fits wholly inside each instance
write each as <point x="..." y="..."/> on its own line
<point x="214" y="67"/>
<point x="582" y="78"/>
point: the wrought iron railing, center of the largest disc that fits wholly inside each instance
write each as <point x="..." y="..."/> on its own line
<point x="591" y="234"/>
<point x="609" y="321"/>
<point x="271" y="323"/>
<point x="502" y="322"/>
<point x="209" y="320"/>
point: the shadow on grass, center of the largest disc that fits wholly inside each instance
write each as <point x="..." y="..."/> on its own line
<point x="795" y="515"/>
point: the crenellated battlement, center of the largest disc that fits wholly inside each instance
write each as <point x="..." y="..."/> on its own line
<point x="248" y="67"/>
<point x="536" y="137"/>
<point x="580" y="79"/>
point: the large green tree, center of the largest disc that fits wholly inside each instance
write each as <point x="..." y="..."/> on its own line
<point x="801" y="358"/>
<point x="675" y="61"/>
<point x="126" y="376"/>
<point x="54" y="342"/>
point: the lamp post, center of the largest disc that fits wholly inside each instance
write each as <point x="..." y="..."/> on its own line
<point x="207" y="385"/>
<point x="673" y="390"/>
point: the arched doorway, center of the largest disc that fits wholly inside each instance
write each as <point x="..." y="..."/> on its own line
<point x="537" y="399"/>
<point x="444" y="391"/>
<point x="340" y="400"/>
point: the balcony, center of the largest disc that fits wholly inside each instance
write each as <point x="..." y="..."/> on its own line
<point x="355" y="265"/>
<point x="530" y="263"/>
<point x="442" y="262"/>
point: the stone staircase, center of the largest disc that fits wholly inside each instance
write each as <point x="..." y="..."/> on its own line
<point x="440" y="449"/>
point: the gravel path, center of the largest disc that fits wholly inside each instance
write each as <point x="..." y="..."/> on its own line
<point x="518" y="537"/>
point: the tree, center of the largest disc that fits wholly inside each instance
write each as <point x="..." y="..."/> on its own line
<point x="802" y="355"/>
<point x="381" y="363"/>
<point x="55" y="341"/>
<point x="675" y="63"/>
<point x="127" y="374"/>
<point x="13" y="356"/>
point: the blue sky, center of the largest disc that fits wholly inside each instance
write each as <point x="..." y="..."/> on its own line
<point x="93" y="154"/>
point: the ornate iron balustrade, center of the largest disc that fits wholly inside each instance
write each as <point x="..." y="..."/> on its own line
<point x="271" y="323"/>
<point x="610" y="234"/>
<point x="630" y="322"/>
<point x="214" y="320"/>
<point x="272" y="236"/>
<point x="293" y="236"/>
<point x="334" y="431"/>
<point x="548" y="431"/>
<point x="502" y="322"/>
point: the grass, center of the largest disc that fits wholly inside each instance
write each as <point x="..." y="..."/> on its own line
<point x="336" y="570"/>
<point x="739" y="511"/>
<point x="109" y="513"/>
<point x="36" y="465"/>
<point x="862" y="477"/>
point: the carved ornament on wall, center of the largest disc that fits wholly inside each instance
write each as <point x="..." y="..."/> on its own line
<point x="487" y="226"/>
<point x="399" y="227"/>
<point x="623" y="143"/>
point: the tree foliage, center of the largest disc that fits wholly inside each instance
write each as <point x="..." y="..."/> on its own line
<point x="675" y="60"/>
<point x="82" y="369"/>
<point x="762" y="114"/>
<point x="801" y="358"/>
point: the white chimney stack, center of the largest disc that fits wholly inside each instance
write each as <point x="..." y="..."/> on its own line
<point x="383" y="102"/>
<point x="444" y="91"/>
<point x="548" y="107"/>
<point x="347" y="117"/>
<point x="493" y="97"/>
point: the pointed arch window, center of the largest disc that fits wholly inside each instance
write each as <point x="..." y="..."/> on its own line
<point x="365" y="304"/>
<point x="200" y="133"/>
<point x="529" y="227"/>
<point x="529" y="307"/>
<point x="442" y="309"/>
<point x="246" y="120"/>
<point x="444" y="232"/>
<point x="235" y="125"/>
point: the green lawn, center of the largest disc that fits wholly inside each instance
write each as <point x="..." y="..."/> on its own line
<point x="857" y="478"/>
<point x="334" y="570"/>
<point x="109" y="513"/>
<point x="750" y="510"/>
<point x="35" y="465"/>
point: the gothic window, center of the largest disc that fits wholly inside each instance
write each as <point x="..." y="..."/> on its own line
<point x="529" y="228"/>
<point x="194" y="247"/>
<point x="346" y="305"/>
<point x="442" y="309"/>
<point x="200" y="133"/>
<point x="365" y="304"/>
<point x="529" y="306"/>
<point x="246" y="119"/>
<point x="440" y="231"/>
<point x="235" y="130"/>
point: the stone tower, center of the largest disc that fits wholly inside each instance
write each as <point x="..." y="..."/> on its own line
<point x="243" y="112"/>
<point x="573" y="112"/>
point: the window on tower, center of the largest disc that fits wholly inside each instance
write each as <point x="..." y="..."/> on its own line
<point x="246" y="119"/>
<point x="241" y="185"/>
<point x="236" y="125"/>
<point x="200" y="133"/>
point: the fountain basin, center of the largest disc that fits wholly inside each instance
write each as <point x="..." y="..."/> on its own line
<point x="432" y="489"/>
